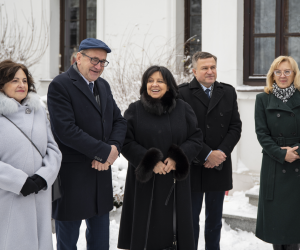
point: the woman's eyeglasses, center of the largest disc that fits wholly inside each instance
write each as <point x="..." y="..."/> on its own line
<point x="285" y="72"/>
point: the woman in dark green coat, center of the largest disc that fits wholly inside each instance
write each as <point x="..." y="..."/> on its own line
<point x="277" y="123"/>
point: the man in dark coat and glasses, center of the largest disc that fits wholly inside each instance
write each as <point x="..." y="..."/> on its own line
<point x="89" y="130"/>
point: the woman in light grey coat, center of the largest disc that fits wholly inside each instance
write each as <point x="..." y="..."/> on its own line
<point x="25" y="176"/>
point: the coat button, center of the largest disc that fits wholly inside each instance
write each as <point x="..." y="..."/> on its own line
<point x="27" y="111"/>
<point x="221" y="114"/>
<point x="297" y="170"/>
<point x="292" y="114"/>
<point x="280" y="134"/>
<point x="103" y="120"/>
<point x="294" y="134"/>
<point x="207" y="126"/>
<point x="222" y="136"/>
<point x="222" y="125"/>
<point x="278" y="115"/>
<point x="283" y="171"/>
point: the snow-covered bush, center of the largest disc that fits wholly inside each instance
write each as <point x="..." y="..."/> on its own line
<point x="119" y="171"/>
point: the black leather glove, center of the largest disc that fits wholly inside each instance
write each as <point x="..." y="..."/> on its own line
<point x="29" y="187"/>
<point x="39" y="181"/>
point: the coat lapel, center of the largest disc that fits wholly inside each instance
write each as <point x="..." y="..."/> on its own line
<point x="198" y="92"/>
<point x="294" y="101"/>
<point x="102" y="94"/>
<point x="79" y="82"/>
<point x="217" y="94"/>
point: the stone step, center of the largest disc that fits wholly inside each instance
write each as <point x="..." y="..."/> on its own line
<point x="240" y="222"/>
<point x="253" y="199"/>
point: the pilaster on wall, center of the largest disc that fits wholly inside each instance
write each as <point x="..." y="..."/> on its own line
<point x="101" y="20"/>
<point x="222" y="35"/>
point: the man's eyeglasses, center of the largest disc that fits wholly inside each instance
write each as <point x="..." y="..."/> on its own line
<point x="285" y="72"/>
<point x="95" y="61"/>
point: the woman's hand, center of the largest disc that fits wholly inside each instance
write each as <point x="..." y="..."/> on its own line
<point x="291" y="154"/>
<point x="170" y="165"/>
<point x="159" y="168"/>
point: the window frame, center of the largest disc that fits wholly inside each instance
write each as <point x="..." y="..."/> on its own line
<point x="82" y="28"/>
<point x="187" y="30"/>
<point x="280" y="18"/>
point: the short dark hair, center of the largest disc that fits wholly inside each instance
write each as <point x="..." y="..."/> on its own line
<point x="201" y="55"/>
<point x="8" y="70"/>
<point x="167" y="76"/>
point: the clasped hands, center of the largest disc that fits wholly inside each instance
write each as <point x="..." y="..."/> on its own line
<point x="165" y="167"/>
<point x="110" y="160"/>
<point x="291" y="154"/>
<point x="215" y="159"/>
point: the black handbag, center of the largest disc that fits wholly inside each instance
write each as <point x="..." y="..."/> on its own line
<point x="174" y="245"/>
<point x="56" y="194"/>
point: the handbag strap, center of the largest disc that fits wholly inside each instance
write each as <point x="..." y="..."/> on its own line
<point x="24" y="134"/>
<point x="174" y="214"/>
<point x="174" y="218"/>
<point x="149" y="214"/>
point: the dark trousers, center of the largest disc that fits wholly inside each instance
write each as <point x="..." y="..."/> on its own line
<point x="97" y="233"/>
<point x="213" y="218"/>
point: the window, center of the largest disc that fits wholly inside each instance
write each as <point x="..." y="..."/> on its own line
<point x="193" y="26"/>
<point x="271" y="29"/>
<point x="78" y="21"/>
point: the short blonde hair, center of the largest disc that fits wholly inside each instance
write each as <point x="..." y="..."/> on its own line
<point x="274" y="65"/>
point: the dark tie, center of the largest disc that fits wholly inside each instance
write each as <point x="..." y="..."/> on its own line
<point x="207" y="93"/>
<point x="91" y="85"/>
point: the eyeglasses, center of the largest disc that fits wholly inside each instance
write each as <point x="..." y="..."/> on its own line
<point x="285" y="72"/>
<point x="95" y="61"/>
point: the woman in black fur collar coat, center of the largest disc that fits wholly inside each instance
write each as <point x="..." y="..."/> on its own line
<point x="162" y="139"/>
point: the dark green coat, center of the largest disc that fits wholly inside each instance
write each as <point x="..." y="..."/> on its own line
<point x="277" y="124"/>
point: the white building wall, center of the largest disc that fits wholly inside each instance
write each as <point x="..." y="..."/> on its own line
<point x="147" y="25"/>
<point x="222" y="35"/>
<point x="48" y="10"/>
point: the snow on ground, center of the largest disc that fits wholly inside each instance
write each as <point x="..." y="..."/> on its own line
<point x="230" y="239"/>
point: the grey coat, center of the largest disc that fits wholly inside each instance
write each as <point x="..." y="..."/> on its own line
<point x="25" y="222"/>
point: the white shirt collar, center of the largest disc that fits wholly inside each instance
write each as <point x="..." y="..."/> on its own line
<point x="204" y="88"/>
<point x="87" y="82"/>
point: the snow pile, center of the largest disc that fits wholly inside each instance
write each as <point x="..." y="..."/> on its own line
<point x="254" y="190"/>
<point x="119" y="171"/>
<point x="241" y="167"/>
<point x="238" y="204"/>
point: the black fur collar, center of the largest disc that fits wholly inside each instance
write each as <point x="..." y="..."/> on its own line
<point x="158" y="106"/>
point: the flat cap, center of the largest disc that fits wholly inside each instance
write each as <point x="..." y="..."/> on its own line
<point x="93" y="43"/>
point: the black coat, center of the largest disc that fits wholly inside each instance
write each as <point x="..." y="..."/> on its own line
<point x="83" y="133"/>
<point x="219" y="120"/>
<point x="151" y="138"/>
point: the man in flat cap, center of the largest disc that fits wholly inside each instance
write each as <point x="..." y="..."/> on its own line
<point x="89" y="130"/>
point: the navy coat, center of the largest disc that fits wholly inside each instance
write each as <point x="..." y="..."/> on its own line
<point x="83" y="132"/>
<point x="220" y="122"/>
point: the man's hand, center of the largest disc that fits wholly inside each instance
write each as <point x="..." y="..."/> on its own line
<point x="291" y="154"/>
<point x="113" y="154"/>
<point x="170" y="165"/>
<point x="207" y="164"/>
<point x="216" y="157"/>
<point x="159" y="168"/>
<point x="99" y="166"/>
